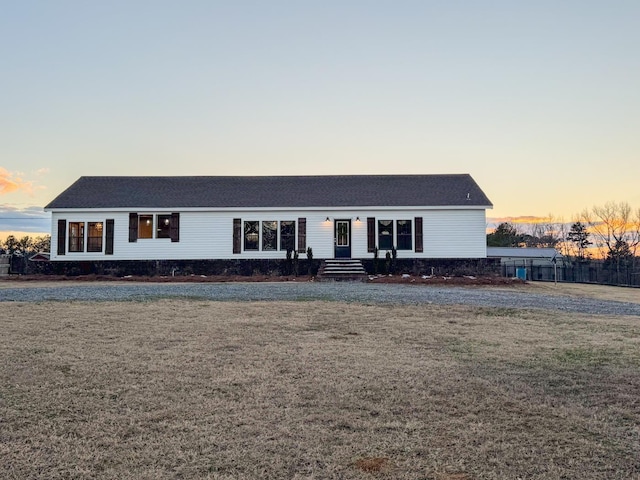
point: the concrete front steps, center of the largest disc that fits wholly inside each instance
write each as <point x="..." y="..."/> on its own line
<point x="342" y="269"/>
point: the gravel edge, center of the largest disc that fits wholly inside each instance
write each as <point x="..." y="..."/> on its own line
<point x="329" y="291"/>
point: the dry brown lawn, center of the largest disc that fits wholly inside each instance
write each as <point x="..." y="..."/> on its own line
<point x="199" y="389"/>
<point x="603" y="292"/>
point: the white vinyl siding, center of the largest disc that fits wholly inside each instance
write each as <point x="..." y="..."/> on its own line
<point x="454" y="234"/>
<point x="448" y="233"/>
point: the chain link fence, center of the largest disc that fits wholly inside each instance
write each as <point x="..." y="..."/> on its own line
<point x="591" y="272"/>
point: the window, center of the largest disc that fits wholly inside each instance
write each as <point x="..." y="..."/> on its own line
<point x="385" y="234"/>
<point x="287" y="235"/>
<point x="256" y="235"/>
<point x="174" y="227"/>
<point x="270" y="235"/>
<point x="163" y="223"/>
<point x="76" y="236"/>
<point x="142" y="226"/>
<point x="145" y="226"/>
<point x="404" y="234"/>
<point x="342" y="233"/>
<point x="251" y="236"/>
<point x="133" y="227"/>
<point x="94" y="237"/>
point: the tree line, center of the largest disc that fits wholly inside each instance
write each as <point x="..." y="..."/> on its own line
<point x="610" y="232"/>
<point x="25" y="245"/>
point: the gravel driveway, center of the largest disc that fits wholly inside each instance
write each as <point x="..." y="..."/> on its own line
<point x="339" y="291"/>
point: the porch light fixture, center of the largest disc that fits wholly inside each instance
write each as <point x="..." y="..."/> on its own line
<point x="357" y="219"/>
<point x="327" y="219"/>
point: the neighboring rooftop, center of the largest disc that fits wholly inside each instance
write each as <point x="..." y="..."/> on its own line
<point x="265" y="192"/>
<point x="523" y="252"/>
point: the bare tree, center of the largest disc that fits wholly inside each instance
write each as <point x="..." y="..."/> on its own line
<point x="25" y="244"/>
<point x="11" y="245"/>
<point x="608" y="224"/>
<point x="633" y="232"/>
<point x="41" y="244"/>
<point x="633" y="235"/>
<point x="614" y="229"/>
<point x="548" y="233"/>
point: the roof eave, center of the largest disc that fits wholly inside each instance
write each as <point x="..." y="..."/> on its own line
<point x="238" y="208"/>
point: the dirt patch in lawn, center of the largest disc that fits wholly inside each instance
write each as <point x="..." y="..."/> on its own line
<point x="199" y="389"/>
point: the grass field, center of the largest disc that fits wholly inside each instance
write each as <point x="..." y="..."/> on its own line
<point x="199" y="389"/>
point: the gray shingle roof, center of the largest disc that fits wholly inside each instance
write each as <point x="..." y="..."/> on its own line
<point x="264" y="192"/>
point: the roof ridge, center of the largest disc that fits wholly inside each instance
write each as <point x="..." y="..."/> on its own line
<point x="284" y="191"/>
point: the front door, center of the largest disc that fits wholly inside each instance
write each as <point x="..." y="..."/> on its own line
<point x="342" y="238"/>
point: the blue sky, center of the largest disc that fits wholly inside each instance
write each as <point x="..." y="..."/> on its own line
<point x="538" y="101"/>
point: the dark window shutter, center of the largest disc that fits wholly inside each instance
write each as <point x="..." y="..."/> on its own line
<point x="237" y="235"/>
<point x="108" y="247"/>
<point x="174" y="227"/>
<point x="302" y="235"/>
<point x="371" y="234"/>
<point x="62" y="236"/>
<point x="418" y="234"/>
<point x="133" y="227"/>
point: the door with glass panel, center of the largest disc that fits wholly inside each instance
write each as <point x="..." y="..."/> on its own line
<point x="342" y="238"/>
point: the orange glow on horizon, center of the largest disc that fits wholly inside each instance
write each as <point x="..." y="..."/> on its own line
<point x="18" y="234"/>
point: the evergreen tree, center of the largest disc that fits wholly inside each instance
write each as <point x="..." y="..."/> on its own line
<point x="505" y="235"/>
<point x="579" y="236"/>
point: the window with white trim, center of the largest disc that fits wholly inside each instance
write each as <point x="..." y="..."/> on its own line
<point x="94" y="237"/>
<point x="76" y="236"/>
<point x="403" y="229"/>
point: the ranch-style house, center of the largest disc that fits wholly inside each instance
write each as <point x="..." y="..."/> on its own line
<point x="116" y="218"/>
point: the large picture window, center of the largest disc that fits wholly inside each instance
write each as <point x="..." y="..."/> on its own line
<point x="251" y="236"/>
<point x="265" y="235"/>
<point x="94" y="237"/>
<point x="145" y="226"/>
<point x="287" y="235"/>
<point x="76" y="236"/>
<point x="404" y="234"/>
<point x="165" y="226"/>
<point x="270" y="235"/>
<point x="385" y="234"/>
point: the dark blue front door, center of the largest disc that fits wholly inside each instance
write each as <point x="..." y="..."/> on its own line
<point x="342" y="238"/>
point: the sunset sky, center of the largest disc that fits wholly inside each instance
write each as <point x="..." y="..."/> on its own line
<point x="538" y="101"/>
